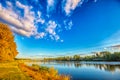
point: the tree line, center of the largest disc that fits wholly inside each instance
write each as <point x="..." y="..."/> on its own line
<point x="101" y="56"/>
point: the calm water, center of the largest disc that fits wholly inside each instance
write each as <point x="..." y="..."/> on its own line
<point x="86" y="70"/>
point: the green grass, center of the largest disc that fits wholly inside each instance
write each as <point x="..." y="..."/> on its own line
<point x="37" y="67"/>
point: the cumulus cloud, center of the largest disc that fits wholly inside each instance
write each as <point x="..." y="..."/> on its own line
<point x="70" y="5"/>
<point x="68" y="24"/>
<point x="50" y="2"/>
<point x="40" y="35"/>
<point x="9" y="4"/>
<point x="39" y="19"/>
<point x="50" y="5"/>
<point x="51" y="27"/>
<point x="23" y="25"/>
<point x="20" y="31"/>
<point x="24" y="19"/>
<point x="26" y="25"/>
<point x="20" y="5"/>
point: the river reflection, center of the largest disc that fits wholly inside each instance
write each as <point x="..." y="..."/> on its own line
<point x="107" y="66"/>
<point x="87" y="70"/>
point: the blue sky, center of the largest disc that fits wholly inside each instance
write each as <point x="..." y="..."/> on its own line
<point x="62" y="27"/>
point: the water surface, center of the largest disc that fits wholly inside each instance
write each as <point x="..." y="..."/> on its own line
<point x="86" y="70"/>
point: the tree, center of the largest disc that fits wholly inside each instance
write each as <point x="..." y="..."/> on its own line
<point x="67" y="58"/>
<point x="106" y="55"/>
<point x="116" y="55"/>
<point x="76" y="57"/>
<point x="8" y="47"/>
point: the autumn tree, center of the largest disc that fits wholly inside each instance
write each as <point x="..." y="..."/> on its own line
<point x="8" y="47"/>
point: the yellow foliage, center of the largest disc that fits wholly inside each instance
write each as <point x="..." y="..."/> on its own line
<point x="50" y="74"/>
<point x="7" y="45"/>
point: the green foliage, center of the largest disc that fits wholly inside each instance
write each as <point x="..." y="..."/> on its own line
<point x="88" y="58"/>
<point x="108" y="56"/>
<point x="101" y="56"/>
<point x="76" y="57"/>
<point x="37" y="67"/>
<point x="43" y="68"/>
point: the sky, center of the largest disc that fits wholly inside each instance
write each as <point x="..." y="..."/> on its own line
<point x="62" y="27"/>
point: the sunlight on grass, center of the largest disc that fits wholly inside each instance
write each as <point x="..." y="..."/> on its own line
<point x="11" y="71"/>
<point x="42" y="73"/>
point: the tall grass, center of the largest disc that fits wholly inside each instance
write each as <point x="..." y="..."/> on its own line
<point x="42" y="73"/>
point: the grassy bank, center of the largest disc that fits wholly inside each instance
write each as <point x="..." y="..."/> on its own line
<point x="42" y="73"/>
<point x="19" y="71"/>
<point x="11" y="71"/>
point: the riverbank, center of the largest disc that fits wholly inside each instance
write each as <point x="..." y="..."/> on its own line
<point x="19" y="71"/>
<point x="42" y="73"/>
<point x="11" y="71"/>
<point x="85" y="70"/>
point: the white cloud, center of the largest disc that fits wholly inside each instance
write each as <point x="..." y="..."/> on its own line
<point x="39" y="14"/>
<point x="50" y="2"/>
<point x="50" y="5"/>
<point x="23" y="25"/>
<point x="9" y="4"/>
<point x="24" y="20"/>
<point x="20" y="31"/>
<point x="42" y="21"/>
<point x="40" y="35"/>
<point x="56" y="37"/>
<point x="51" y="27"/>
<point x="39" y="19"/>
<point x="70" y="5"/>
<point x="20" y="5"/>
<point x="68" y="24"/>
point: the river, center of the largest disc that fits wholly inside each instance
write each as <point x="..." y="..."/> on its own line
<point x="86" y="70"/>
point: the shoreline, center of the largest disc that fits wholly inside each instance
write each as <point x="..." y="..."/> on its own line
<point x="20" y="71"/>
